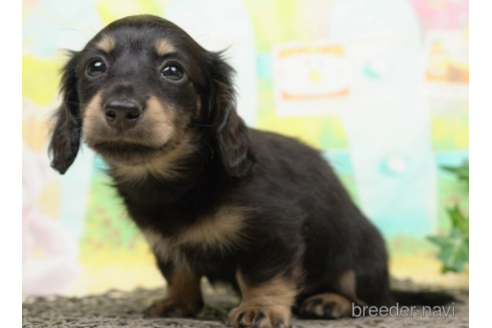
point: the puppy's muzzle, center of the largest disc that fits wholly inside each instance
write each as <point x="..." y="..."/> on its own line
<point x="122" y="113"/>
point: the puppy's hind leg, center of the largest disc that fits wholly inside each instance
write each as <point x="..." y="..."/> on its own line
<point x="335" y="302"/>
<point x="326" y="306"/>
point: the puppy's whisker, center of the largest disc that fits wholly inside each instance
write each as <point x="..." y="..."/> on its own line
<point x="91" y="27"/>
<point x="69" y="102"/>
<point x="74" y="30"/>
<point x="198" y="151"/>
<point x="209" y="146"/>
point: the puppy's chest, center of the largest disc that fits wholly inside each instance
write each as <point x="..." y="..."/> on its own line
<point x="216" y="234"/>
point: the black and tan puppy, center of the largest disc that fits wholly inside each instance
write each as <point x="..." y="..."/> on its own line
<point x="214" y="198"/>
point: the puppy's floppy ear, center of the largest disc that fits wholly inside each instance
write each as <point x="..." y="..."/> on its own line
<point x="65" y="139"/>
<point x="231" y="133"/>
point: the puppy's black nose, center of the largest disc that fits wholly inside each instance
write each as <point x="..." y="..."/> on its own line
<point x="122" y="114"/>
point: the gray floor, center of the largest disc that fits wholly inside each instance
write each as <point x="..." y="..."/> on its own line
<point x="122" y="309"/>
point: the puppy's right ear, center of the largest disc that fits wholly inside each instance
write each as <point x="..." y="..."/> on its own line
<point x="65" y="139"/>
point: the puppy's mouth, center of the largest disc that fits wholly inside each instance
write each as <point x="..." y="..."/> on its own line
<point x="129" y="153"/>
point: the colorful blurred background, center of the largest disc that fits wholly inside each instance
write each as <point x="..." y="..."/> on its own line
<point x="379" y="86"/>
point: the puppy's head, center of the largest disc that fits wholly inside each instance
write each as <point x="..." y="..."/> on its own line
<point x="140" y="89"/>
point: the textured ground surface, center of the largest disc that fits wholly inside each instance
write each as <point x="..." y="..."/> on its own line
<point x="122" y="309"/>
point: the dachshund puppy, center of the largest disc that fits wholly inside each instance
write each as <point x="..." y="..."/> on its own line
<point x="213" y="197"/>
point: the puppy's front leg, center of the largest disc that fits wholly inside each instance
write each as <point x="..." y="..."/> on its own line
<point x="264" y="305"/>
<point x="184" y="297"/>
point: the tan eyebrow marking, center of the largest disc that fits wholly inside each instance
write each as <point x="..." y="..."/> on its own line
<point x="106" y="43"/>
<point x="164" y="47"/>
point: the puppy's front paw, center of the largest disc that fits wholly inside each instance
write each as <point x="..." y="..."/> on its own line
<point x="260" y="316"/>
<point x="172" y="308"/>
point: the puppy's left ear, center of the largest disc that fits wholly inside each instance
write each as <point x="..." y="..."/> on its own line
<point x="65" y="139"/>
<point x="231" y="132"/>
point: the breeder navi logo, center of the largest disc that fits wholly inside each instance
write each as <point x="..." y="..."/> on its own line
<point x="404" y="311"/>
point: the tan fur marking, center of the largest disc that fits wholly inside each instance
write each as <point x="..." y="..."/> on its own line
<point x="219" y="231"/>
<point x="184" y="297"/>
<point x="198" y="107"/>
<point x="272" y="299"/>
<point x="91" y="113"/>
<point x="93" y="108"/>
<point x="185" y="286"/>
<point x="162" y="119"/>
<point x="340" y="306"/>
<point x="164" y="47"/>
<point x="106" y="43"/>
<point x="277" y="291"/>
<point x="165" y="166"/>
<point x="348" y="286"/>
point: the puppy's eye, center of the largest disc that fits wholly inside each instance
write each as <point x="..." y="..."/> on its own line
<point x="172" y="72"/>
<point x="96" y="68"/>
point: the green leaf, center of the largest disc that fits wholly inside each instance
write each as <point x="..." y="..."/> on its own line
<point x="462" y="172"/>
<point x="458" y="220"/>
<point x="454" y="250"/>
